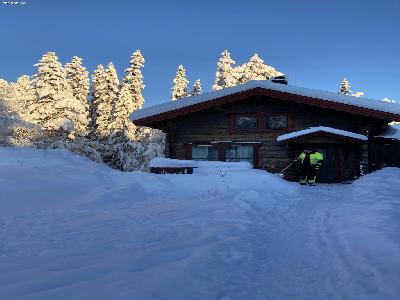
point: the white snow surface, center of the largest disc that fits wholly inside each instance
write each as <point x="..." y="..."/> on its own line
<point x="393" y="132"/>
<point x="74" y="229"/>
<point x="309" y="130"/>
<point x="322" y="95"/>
<point x="161" y="162"/>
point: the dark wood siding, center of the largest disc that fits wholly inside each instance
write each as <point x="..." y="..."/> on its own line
<point x="383" y="153"/>
<point x="213" y="125"/>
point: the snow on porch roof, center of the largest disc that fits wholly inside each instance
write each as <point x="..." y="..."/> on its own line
<point x="356" y="105"/>
<point x="321" y="129"/>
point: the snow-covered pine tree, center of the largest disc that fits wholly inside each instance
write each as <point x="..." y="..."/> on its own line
<point x="179" y="89"/>
<point x="345" y="87"/>
<point x="24" y="96"/>
<point x="122" y="109"/>
<point x="134" y="81"/>
<point x="96" y="90"/>
<point x="78" y="79"/>
<point x="254" y="69"/>
<point x="8" y="106"/>
<point x="107" y="98"/>
<point x="14" y="129"/>
<point x="55" y="105"/>
<point x="196" y="89"/>
<point x="224" y="76"/>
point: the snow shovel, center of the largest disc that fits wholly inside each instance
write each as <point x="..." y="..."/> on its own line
<point x="280" y="174"/>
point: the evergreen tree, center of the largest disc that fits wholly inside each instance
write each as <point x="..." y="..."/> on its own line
<point x="196" y="89"/>
<point x="96" y="91"/>
<point x="122" y="109"/>
<point x="224" y="74"/>
<point x="55" y="105"/>
<point x="78" y="79"/>
<point x="345" y="87"/>
<point x="24" y="96"/>
<point x="254" y="69"/>
<point x="179" y="89"/>
<point x="107" y="99"/>
<point x="134" y="81"/>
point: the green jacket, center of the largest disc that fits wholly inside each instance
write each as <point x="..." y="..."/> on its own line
<point x="315" y="158"/>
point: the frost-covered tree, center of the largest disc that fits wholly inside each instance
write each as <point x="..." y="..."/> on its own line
<point x="345" y="87"/>
<point x="8" y="105"/>
<point x="179" y="89"/>
<point x="224" y="76"/>
<point x="196" y="89"/>
<point x="107" y="99"/>
<point x="96" y="91"/>
<point x="24" y="94"/>
<point x="122" y="109"/>
<point x="78" y="79"/>
<point x="134" y="81"/>
<point x="55" y="105"/>
<point x="14" y="129"/>
<point x="255" y="69"/>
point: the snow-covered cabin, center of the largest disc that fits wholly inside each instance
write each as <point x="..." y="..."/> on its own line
<point x="268" y="124"/>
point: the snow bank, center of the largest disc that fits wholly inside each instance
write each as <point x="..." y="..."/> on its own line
<point x="322" y="95"/>
<point x="74" y="229"/>
<point x="299" y="133"/>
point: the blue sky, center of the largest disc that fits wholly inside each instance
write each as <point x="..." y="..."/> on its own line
<point x="316" y="43"/>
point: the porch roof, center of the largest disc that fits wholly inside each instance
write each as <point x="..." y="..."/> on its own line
<point x="321" y="131"/>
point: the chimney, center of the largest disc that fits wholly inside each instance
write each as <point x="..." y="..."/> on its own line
<point x="279" y="79"/>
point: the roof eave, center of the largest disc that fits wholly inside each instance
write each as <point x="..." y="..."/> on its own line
<point x="286" y="96"/>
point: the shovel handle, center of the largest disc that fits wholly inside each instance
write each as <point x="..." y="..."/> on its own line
<point x="287" y="167"/>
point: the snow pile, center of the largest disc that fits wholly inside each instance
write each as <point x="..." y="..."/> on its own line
<point x="317" y="94"/>
<point x="159" y="162"/>
<point x="74" y="229"/>
<point x="393" y="132"/>
<point x="310" y="130"/>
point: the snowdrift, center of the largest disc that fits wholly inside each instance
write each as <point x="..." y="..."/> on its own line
<point x="72" y="228"/>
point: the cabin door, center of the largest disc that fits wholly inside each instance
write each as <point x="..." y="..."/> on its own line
<point x="327" y="172"/>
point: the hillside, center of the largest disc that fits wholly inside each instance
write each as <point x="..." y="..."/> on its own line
<point x="74" y="229"/>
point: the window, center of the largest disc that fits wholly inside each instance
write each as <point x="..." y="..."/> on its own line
<point x="239" y="153"/>
<point x="204" y="152"/>
<point x="276" y="121"/>
<point x="246" y="122"/>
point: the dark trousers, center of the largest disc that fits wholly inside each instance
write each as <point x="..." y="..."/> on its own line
<point x="308" y="173"/>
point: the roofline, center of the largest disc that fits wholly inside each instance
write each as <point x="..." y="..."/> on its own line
<point x="283" y="95"/>
<point x="323" y="133"/>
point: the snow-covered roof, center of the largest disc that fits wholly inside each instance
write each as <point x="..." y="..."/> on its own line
<point x="378" y="105"/>
<point x="393" y="132"/>
<point x="160" y="162"/>
<point x="311" y="130"/>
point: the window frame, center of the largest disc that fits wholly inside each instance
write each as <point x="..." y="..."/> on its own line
<point x="233" y="117"/>
<point x="187" y="147"/>
<point x="265" y="114"/>
<point x="260" y="117"/>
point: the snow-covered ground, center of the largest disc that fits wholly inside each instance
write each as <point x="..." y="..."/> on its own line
<point x="74" y="229"/>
